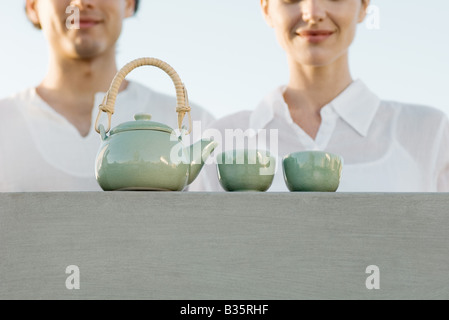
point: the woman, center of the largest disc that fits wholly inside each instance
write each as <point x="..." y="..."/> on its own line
<point x="386" y="146"/>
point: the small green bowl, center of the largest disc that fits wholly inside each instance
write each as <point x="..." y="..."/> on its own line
<point x="246" y="170"/>
<point x="312" y="171"/>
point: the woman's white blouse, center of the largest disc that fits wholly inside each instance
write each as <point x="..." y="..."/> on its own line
<point x="386" y="146"/>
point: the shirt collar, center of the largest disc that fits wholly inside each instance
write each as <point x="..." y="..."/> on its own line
<point x="356" y="105"/>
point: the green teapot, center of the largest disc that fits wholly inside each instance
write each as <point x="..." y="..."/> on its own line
<point x="143" y="154"/>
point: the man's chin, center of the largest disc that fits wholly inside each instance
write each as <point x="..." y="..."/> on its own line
<point x="87" y="52"/>
<point x="84" y="48"/>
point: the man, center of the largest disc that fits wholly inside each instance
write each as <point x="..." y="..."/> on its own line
<point x="47" y="136"/>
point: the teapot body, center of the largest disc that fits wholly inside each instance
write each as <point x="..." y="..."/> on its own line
<point x="147" y="155"/>
<point x="140" y="160"/>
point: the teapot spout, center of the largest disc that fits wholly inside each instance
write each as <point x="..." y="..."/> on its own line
<point x="199" y="152"/>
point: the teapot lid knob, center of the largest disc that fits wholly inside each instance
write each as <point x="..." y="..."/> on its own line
<point x="142" y="116"/>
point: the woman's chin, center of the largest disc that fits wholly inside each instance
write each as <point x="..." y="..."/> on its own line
<point x="315" y="59"/>
<point x="315" y="62"/>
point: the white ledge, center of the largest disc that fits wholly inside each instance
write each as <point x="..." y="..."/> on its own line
<point x="225" y="246"/>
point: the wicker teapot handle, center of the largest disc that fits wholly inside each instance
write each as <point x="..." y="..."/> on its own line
<point x="182" y="105"/>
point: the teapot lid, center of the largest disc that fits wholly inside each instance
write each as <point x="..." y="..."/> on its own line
<point x="142" y="122"/>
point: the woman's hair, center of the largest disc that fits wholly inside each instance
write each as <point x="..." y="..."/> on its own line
<point x="38" y="26"/>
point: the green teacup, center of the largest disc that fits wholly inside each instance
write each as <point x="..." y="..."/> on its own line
<point x="246" y="170"/>
<point x="314" y="171"/>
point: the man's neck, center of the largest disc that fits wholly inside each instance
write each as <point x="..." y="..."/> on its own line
<point x="80" y="77"/>
<point x="71" y="84"/>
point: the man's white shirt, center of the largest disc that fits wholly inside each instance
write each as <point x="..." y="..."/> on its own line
<point x="41" y="151"/>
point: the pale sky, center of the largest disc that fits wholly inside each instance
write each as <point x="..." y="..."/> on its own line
<point x="229" y="58"/>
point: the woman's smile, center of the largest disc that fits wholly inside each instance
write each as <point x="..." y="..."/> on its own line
<point x="315" y="36"/>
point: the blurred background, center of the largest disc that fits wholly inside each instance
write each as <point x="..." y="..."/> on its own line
<point x="229" y="58"/>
